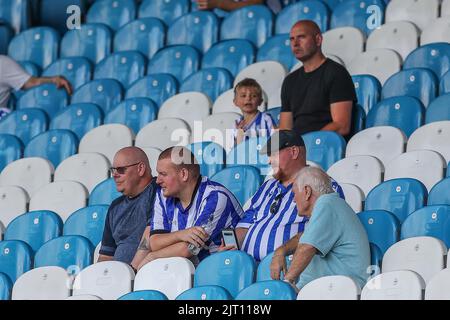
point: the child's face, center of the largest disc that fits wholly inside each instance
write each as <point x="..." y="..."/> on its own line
<point x="247" y="99"/>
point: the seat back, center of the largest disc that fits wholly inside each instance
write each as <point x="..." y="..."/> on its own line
<point x="164" y="133"/>
<point x="330" y="288"/>
<point x="267" y="290"/>
<point x="353" y="196"/>
<point x="13" y="202"/>
<point x="433" y="56"/>
<point x="24" y="124"/>
<point x="113" y="14"/>
<point x="437" y="287"/>
<point x="15" y="258"/>
<point x="16" y="13"/>
<point x="433" y="136"/>
<point x="263" y="271"/>
<point x="421" y="12"/>
<point x="106" y="93"/>
<point x="46" y="97"/>
<point x="438" y="109"/>
<point x="324" y="147"/>
<point x="167" y="11"/>
<point x="104" y="193"/>
<point x="77" y="70"/>
<point x="210" y="81"/>
<point x="210" y="156"/>
<point x="11" y="149"/>
<point x="5" y="287"/>
<point x="277" y="48"/>
<point x="159" y="87"/>
<point x="344" y="42"/>
<point x="205" y="293"/>
<point x="368" y="91"/>
<point x="144" y="295"/>
<point x="247" y="153"/>
<point x="305" y="10"/>
<point x="439" y="193"/>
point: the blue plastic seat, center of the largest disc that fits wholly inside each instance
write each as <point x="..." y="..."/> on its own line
<point x="92" y="41"/>
<point x="77" y="70"/>
<point x="104" y="193"/>
<point x="180" y="61"/>
<point x="333" y="3"/>
<point x="253" y="23"/>
<point x="30" y="67"/>
<point x="39" y="45"/>
<point x="73" y="253"/>
<point x="6" y="34"/>
<point x="400" y="197"/>
<point x="144" y="295"/>
<point x="247" y="153"/>
<point x="313" y="10"/>
<point x="16" y="13"/>
<point x="275" y="114"/>
<point x="233" y="55"/>
<point x="15" y="258"/>
<point x="354" y="13"/>
<point x="382" y="227"/>
<point x="35" y="228"/>
<point x="87" y="222"/>
<point x="440" y="194"/>
<point x="358" y="119"/>
<point x="324" y="147"/>
<point x="268" y="290"/>
<point x="430" y="221"/>
<point x="24" y="124"/>
<point x="11" y="149"/>
<point x="418" y="82"/>
<point x="5" y="287"/>
<point x="210" y="156"/>
<point x="405" y="113"/>
<point x="124" y="66"/>
<point x="54" y="145"/>
<point x="205" y="293"/>
<point x="114" y="14"/>
<point x="106" y="93"/>
<point x="78" y="118"/>
<point x="263" y="272"/>
<point x="278" y="48"/>
<point x="210" y="81"/>
<point x="159" y="87"/>
<point x="368" y="91"/>
<point x="46" y="97"/>
<point x="232" y="270"/>
<point x="444" y="84"/>
<point x="438" y="109"/>
<point x="199" y="29"/>
<point x="135" y="113"/>
<point x="165" y="10"/>
<point x="144" y="35"/>
<point x="376" y="256"/>
<point x="433" y="56"/>
<point x="54" y="13"/>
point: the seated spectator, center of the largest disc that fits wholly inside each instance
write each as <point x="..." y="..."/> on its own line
<point x="189" y="213"/>
<point x="253" y="123"/>
<point x="334" y="241"/>
<point x="129" y="214"/>
<point x="230" y="5"/>
<point x="272" y="217"/>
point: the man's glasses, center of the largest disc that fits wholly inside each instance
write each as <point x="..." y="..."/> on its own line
<point x="275" y="206"/>
<point x="121" y="170"/>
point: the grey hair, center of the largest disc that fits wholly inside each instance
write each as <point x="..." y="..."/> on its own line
<point x="316" y="178"/>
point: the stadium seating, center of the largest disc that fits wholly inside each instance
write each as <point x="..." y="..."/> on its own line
<point x="267" y="290"/>
<point x="330" y="288"/>
<point x="210" y="81"/>
<point x="6" y="34"/>
<point x="420" y="12"/>
<point x="439" y="193"/>
<point x="376" y="256"/>
<point x="108" y="280"/>
<point x="104" y="193"/>
<point x="31" y="68"/>
<point x="106" y="93"/>
<point x="35" y="228"/>
<point x="434" y="136"/>
<point x="353" y="196"/>
<point x="205" y="293"/>
<point x="436" y="288"/>
<point x="11" y="149"/>
<point x="152" y="155"/>
<point x="5" y="287"/>
<point x="263" y="271"/>
<point x="13" y="202"/>
<point x="170" y="276"/>
<point x="15" y="258"/>
<point x="436" y="31"/>
<point x="77" y="70"/>
<point x="433" y="56"/>
<point x="217" y="128"/>
<point x="144" y="295"/>
<point x="277" y="48"/>
<point x="344" y="42"/>
<point x="401" y="197"/>
<point x="324" y="147"/>
<point x="438" y="110"/>
<point x="164" y="133"/>
<point x="114" y="14"/>
<point x="247" y="153"/>
<point x="313" y="10"/>
<point x="158" y="87"/>
<point x="46" y="97"/>
<point x="58" y="15"/>
<point x="167" y="11"/>
<point x="445" y="8"/>
<point x="16" y="13"/>
<point x="444" y="84"/>
<point x="210" y="156"/>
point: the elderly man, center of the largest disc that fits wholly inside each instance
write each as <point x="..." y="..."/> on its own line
<point x="319" y="95"/>
<point x="272" y="219"/>
<point x="190" y="211"/>
<point x="129" y="214"/>
<point x="334" y="241"/>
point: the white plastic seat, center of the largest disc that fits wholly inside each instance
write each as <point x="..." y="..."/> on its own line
<point x="436" y="31"/>
<point x="344" y="42"/>
<point x="433" y="136"/>
<point x="437" y="287"/>
<point x="152" y="155"/>
<point x="363" y="171"/>
<point x="88" y="168"/>
<point x="383" y="142"/>
<point x="420" y="12"/>
<point x="424" y="165"/>
<point x="189" y="106"/>
<point x="380" y="63"/>
<point x="396" y="285"/>
<point x="108" y="280"/>
<point x="400" y="36"/>
<point x="164" y="133"/>
<point x="29" y="173"/>
<point x="330" y="288"/>
<point x="170" y="276"/>
<point x="44" y="283"/>
<point x="269" y="75"/>
<point x="224" y="103"/>
<point x="353" y="195"/>
<point x="107" y="140"/>
<point x="84" y="297"/>
<point x="97" y="252"/>
<point x="424" y="255"/>
<point x="62" y="197"/>
<point x="445" y="8"/>
<point x="13" y="202"/>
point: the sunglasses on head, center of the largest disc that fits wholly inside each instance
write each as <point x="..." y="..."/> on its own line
<point x="121" y="170"/>
<point x="275" y="206"/>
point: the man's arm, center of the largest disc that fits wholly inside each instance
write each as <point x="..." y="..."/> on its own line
<point x="302" y="257"/>
<point x="176" y="250"/>
<point x="103" y="257"/>
<point x="143" y="249"/>
<point x="286" y="121"/>
<point x="341" y="114"/>
<point x="278" y="263"/>
<point x="195" y="235"/>
<point x="59" y="81"/>
<point x="227" y="5"/>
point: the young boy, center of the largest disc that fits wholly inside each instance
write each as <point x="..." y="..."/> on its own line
<point x="253" y="123"/>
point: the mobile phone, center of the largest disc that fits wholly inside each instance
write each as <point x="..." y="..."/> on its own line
<point x="229" y="238"/>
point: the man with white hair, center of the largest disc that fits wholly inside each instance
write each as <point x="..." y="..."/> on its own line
<point x="334" y="242"/>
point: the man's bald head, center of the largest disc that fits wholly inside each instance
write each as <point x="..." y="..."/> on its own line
<point x="309" y="26"/>
<point x="134" y="154"/>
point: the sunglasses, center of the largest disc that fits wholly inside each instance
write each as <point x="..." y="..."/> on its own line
<point x="121" y="170"/>
<point x="275" y="206"/>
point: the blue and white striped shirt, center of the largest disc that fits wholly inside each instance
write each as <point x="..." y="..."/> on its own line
<point x="213" y="207"/>
<point x="261" y="126"/>
<point x="267" y="231"/>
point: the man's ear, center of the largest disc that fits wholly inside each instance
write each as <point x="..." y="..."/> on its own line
<point x="184" y="174"/>
<point x="319" y="39"/>
<point x="295" y="152"/>
<point x="308" y="192"/>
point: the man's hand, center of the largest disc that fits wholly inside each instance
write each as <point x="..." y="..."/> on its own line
<point x="60" y="82"/>
<point x="207" y="4"/>
<point x="277" y="265"/>
<point x="223" y="247"/>
<point x="148" y="258"/>
<point x="195" y="235"/>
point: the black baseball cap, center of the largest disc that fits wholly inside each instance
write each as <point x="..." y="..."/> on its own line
<point x="282" y="139"/>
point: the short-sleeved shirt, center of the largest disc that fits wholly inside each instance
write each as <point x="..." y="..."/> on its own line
<point x="261" y="126"/>
<point x="125" y="223"/>
<point x="308" y="95"/>
<point x="12" y="77"/>
<point x="212" y="207"/>
<point x="268" y="230"/>
<point x="273" y="5"/>
<point x="340" y="239"/>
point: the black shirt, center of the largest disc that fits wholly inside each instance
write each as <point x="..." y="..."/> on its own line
<point x="308" y="95"/>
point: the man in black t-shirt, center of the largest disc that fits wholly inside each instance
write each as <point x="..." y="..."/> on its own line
<point x="319" y="95"/>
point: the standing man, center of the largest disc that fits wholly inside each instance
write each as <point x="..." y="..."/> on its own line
<point x="230" y="5"/>
<point x="319" y="95"/>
